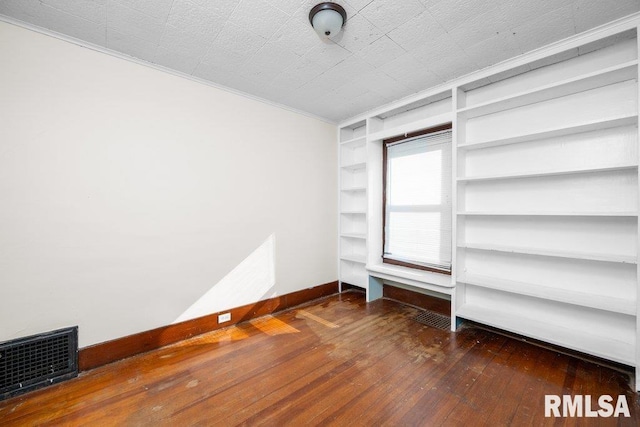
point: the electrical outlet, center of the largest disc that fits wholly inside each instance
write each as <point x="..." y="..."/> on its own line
<point x="224" y="317"/>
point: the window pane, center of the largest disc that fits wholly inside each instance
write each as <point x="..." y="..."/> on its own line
<point x="419" y="236"/>
<point x="416" y="179"/>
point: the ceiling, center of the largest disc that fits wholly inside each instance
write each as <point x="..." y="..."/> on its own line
<point x="389" y="48"/>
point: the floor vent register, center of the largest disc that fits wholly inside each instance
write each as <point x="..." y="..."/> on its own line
<point x="435" y="320"/>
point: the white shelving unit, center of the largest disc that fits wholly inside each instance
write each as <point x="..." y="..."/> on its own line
<point x="352" y="154"/>
<point x="545" y="193"/>
<point x="553" y="154"/>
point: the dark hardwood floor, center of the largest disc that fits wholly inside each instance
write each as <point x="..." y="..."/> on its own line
<point x="338" y="362"/>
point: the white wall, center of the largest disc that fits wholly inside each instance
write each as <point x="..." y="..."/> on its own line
<point x="127" y="194"/>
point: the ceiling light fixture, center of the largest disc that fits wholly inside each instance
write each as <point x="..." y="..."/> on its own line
<point x="327" y="18"/>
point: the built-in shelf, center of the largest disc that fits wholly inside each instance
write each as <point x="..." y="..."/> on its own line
<point x="514" y="321"/>
<point x="548" y="173"/>
<point x="624" y="259"/>
<point x="584" y="299"/>
<point x="414" y="126"/>
<point x="550" y="111"/>
<point x="355" y="166"/>
<point x="576" y="214"/>
<point x="607" y="76"/>
<point x="352" y="152"/>
<point x="354" y="258"/>
<point x="606" y="123"/>
<point x="354" y="189"/>
<point x="354" y="235"/>
<point x="355" y="142"/>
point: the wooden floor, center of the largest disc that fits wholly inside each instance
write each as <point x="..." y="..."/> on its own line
<point x="339" y="361"/>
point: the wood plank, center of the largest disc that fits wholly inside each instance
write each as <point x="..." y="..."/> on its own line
<point x="404" y="396"/>
<point x="436" y="407"/>
<point x="271" y="399"/>
<point x="320" y="394"/>
<point x="338" y="361"/>
<point x="426" y="302"/>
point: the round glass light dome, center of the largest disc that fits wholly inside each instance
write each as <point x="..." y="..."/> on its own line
<point x="327" y="19"/>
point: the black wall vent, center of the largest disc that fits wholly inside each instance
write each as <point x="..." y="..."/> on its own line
<point x="36" y="361"/>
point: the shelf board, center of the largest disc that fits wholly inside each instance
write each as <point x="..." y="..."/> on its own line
<point x="440" y="119"/>
<point x="353" y="212"/>
<point x="601" y="346"/>
<point x="607" y="123"/>
<point x="548" y="173"/>
<point x="354" y="142"/>
<point x="360" y="259"/>
<point x="354" y="189"/>
<point x="569" y="214"/>
<point x="593" y="80"/>
<point x="624" y="259"/>
<point x="354" y="166"/>
<point x="584" y="299"/>
<point x="354" y="235"/>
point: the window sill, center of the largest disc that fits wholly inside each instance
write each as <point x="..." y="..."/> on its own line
<point x="399" y="263"/>
<point x="421" y="279"/>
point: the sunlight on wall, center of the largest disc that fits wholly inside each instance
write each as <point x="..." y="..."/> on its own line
<point x="255" y="275"/>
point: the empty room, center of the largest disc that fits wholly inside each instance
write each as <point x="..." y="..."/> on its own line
<point x="294" y="212"/>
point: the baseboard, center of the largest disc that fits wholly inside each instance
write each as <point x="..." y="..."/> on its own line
<point x="103" y="353"/>
<point x="426" y="302"/>
<point x="350" y="287"/>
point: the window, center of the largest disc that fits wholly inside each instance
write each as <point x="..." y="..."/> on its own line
<point x="417" y="200"/>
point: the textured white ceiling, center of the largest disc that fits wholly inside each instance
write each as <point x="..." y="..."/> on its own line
<point x="388" y="49"/>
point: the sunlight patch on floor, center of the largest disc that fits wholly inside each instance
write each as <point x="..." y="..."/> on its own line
<point x="273" y="326"/>
<point x="221" y="335"/>
<point x="318" y="319"/>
